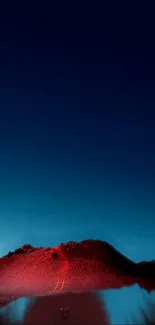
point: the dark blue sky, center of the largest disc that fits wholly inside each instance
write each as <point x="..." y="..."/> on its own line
<point x="77" y="130"/>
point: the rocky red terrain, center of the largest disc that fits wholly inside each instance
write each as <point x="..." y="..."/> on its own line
<point x="69" y="267"/>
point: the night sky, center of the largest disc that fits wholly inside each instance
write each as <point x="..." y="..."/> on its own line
<point x="77" y="131"/>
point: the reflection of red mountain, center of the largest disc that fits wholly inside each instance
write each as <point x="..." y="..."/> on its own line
<point x="69" y="309"/>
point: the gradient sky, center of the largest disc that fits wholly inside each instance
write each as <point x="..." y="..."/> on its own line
<point x="77" y="132"/>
